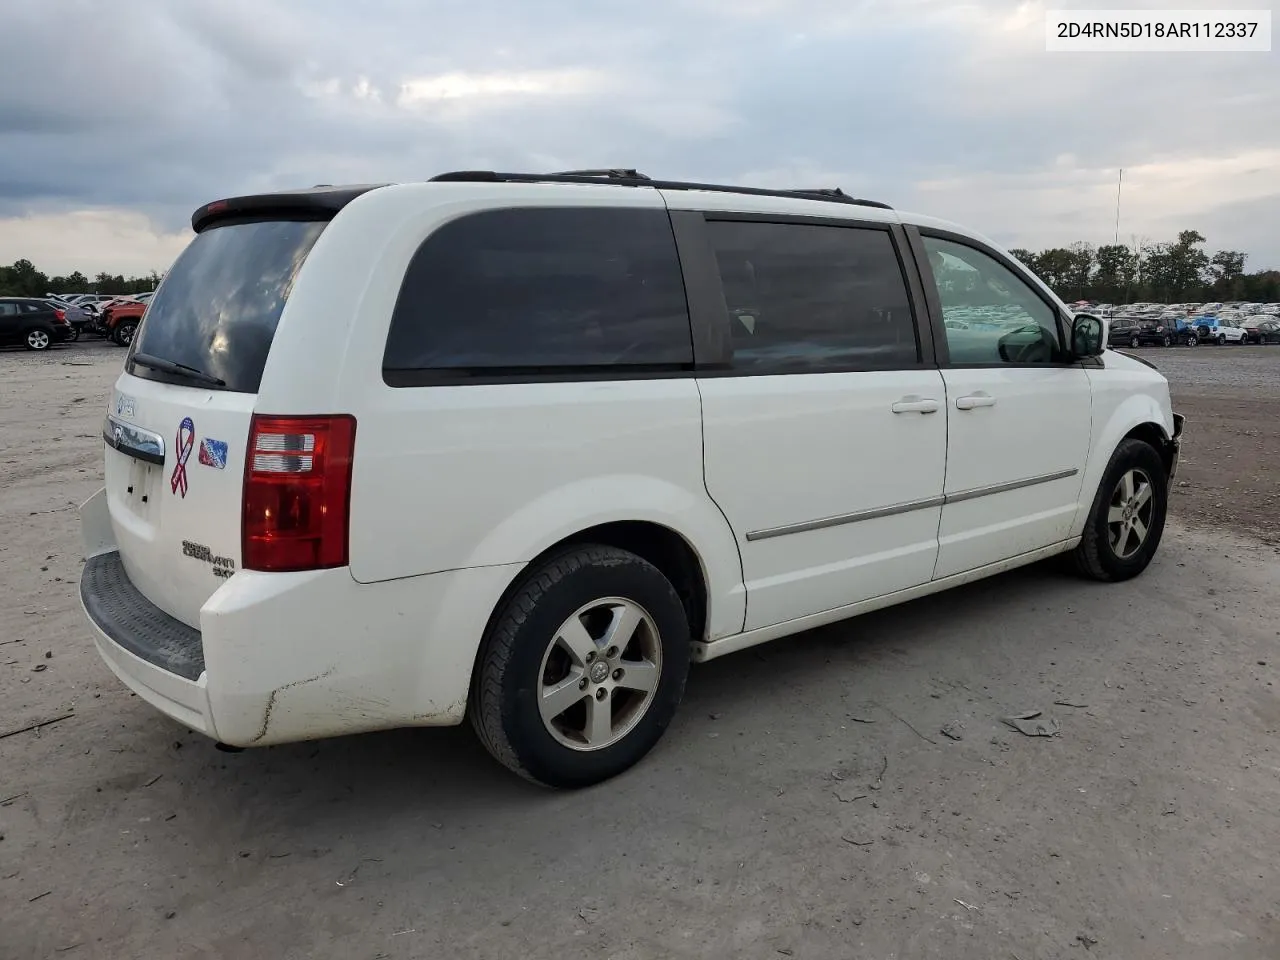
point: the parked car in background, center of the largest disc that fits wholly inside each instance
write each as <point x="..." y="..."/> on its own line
<point x="76" y="316"/>
<point x="1262" y="329"/>
<point x="1214" y="329"/>
<point x="120" y="319"/>
<point x="1130" y="332"/>
<point x="37" y="324"/>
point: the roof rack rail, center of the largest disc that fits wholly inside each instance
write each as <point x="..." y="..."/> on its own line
<point x="615" y="173"/>
<point x="631" y="178"/>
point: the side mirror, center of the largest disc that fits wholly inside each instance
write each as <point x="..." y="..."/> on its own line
<point x="1088" y="336"/>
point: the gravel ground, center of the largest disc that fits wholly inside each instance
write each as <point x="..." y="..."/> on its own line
<point x="804" y="804"/>
<point x="1231" y="456"/>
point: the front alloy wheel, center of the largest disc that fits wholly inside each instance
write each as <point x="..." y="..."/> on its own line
<point x="1127" y="519"/>
<point x="1129" y="516"/>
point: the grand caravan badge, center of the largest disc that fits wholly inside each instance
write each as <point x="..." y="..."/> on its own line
<point x="223" y="567"/>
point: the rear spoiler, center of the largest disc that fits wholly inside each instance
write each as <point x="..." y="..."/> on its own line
<point x="318" y="203"/>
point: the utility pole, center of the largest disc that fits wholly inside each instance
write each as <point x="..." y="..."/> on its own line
<point x="1118" y="186"/>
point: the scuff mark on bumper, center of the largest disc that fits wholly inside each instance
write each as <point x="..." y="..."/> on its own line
<point x="271" y="701"/>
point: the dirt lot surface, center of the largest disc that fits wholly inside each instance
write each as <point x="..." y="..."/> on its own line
<point x="804" y="804"/>
<point x="1231" y="466"/>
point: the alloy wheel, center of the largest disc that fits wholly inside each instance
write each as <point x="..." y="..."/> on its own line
<point x="599" y="674"/>
<point x="1130" y="514"/>
<point x="38" y="340"/>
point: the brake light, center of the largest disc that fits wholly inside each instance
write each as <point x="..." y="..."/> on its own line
<point x="297" y="492"/>
<point x="60" y="315"/>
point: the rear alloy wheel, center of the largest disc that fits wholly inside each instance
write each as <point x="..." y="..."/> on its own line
<point x="123" y="334"/>
<point x="38" y="340"/>
<point x="1127" y="520"/>
<point x="1167" y="341"/>
<point x="1135" y="343"/>
<point x="1193" y="341"/>
<point x="75" y="335"/>
<point x="582" y="667"/>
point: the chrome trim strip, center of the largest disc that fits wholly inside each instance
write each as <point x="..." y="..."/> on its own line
<point x="844" y="518"/>
<point x="133" y="441"/>
<point x="908" y="507"/>
<point x="977" y="492"/>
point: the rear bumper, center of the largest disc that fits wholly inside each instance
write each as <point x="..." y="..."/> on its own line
<point x="281" y="657"/>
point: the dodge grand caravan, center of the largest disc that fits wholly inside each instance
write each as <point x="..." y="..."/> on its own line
<point x="519" y="448"/>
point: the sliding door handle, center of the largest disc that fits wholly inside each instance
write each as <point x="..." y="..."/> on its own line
<point x="978" y="399"/>
<point x="914" y="404"/>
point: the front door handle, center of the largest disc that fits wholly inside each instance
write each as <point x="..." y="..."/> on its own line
<point x="914" y="404"/>
<point x="978" y="399"/>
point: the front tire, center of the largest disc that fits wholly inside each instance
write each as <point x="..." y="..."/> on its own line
<point x="1135" y="343"/>
<point x="1127" y="520"/>
<point x="582" y="667"/>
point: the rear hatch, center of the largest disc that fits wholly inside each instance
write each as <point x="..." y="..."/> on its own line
<point x="179" y="418"/>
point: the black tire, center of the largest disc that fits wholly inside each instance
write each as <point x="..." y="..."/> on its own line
<point x="1193" y="340"/>
<point x="1135" y="343"/>
<point x="1166" y="341"/>
<point x="504" y="706"/>
<point x="38" y="338"/>
<point x="75" y="335"/>
<point x="1095" y="557"/>
<point x="123" y="335"/>
<point x="1222" y="339"/>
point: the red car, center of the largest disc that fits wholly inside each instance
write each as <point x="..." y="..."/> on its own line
<point x="121" y="319"/>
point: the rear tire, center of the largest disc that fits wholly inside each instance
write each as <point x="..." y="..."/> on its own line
<point x="75" y="335"/>
<point x="549" y="665"/>
<point x="1222" y="340"/>
<point x="1167" y="341"/>
<point x="1124" y="529"/>
<point x="1135" y="343"/>
<point x="38" y="339"/>
<point x="1193" y="341"/>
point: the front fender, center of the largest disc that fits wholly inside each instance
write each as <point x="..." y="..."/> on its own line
<point x="1117" y="411"/>
<point x="567" y="510"/>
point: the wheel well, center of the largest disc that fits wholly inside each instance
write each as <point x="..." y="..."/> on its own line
<point x="1152" y="435"/>
<point x="666" y="550"/>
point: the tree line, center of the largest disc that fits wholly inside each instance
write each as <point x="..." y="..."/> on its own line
<point x="1177" y="272"/>
<point x="22" y="279"/>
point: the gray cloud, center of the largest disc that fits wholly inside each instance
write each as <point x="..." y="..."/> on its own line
<point x="158" y="107"/>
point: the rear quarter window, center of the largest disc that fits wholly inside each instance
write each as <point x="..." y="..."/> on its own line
<point x="523" y="291"/>
<point x="217" y="310"/>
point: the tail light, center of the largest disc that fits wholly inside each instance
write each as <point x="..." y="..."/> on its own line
<point x="60" y="315"/>
<point x="297" y="492"/>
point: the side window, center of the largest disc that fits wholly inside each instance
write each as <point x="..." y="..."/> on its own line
<point x="8" y="309"/>
<point x="991" y="314"/>
<point x="809" y="299"/>
<point x="512" y="290"/>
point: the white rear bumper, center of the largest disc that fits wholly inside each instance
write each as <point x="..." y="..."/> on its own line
<point x="299" y="656"/>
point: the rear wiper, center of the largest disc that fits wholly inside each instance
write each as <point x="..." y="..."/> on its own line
<point x="180" y="369"/>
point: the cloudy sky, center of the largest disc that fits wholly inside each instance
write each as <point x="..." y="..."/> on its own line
<point x="119" y="117"/>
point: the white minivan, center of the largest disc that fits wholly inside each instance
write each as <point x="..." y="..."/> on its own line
<point x="520" y="447"/>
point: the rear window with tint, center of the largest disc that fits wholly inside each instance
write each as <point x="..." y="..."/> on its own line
<point x="516" y="291"/>
<point x="218" y="306"/>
